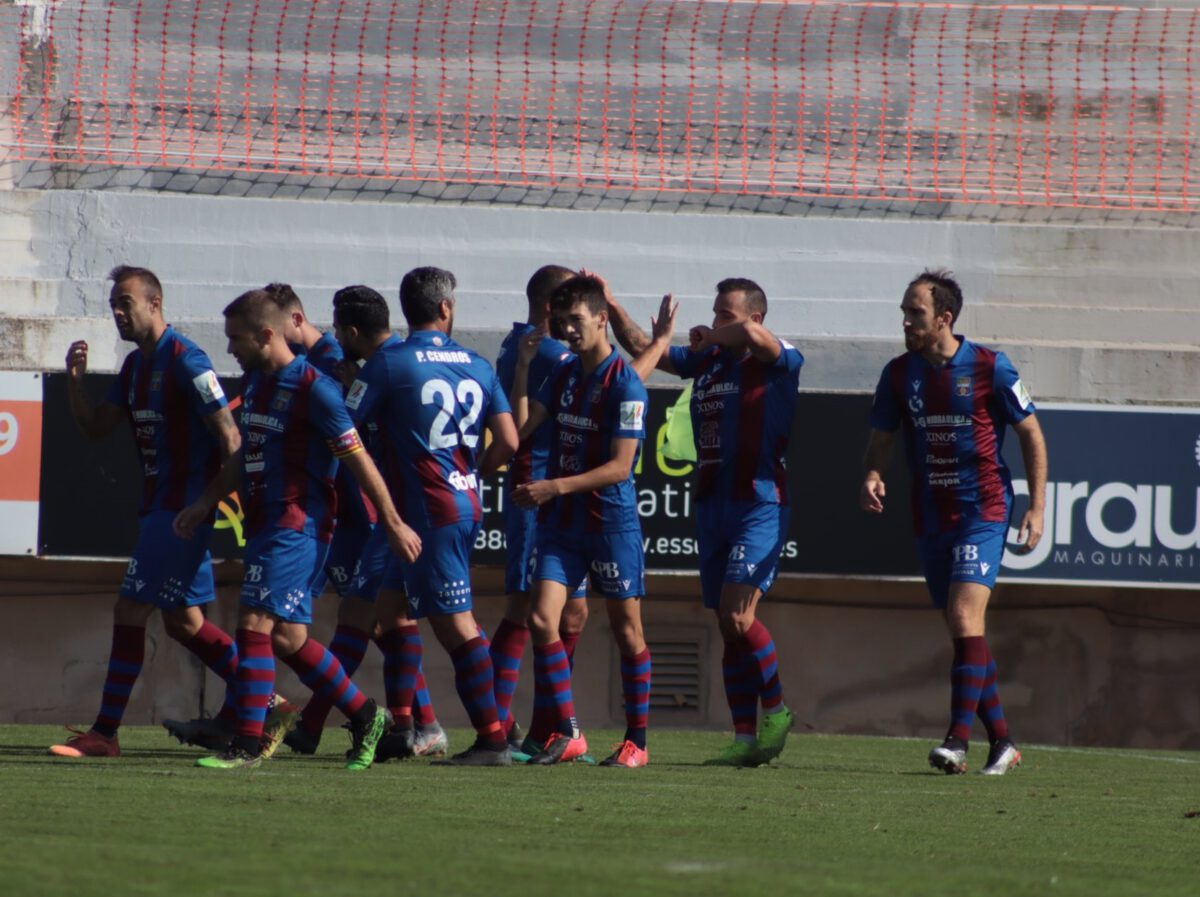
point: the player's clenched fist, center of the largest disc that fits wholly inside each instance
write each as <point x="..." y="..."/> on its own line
<point x="77" y="358"/>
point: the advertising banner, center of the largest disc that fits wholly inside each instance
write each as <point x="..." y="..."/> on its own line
<point x="20" y="460"/>
<point x="1123" y="503"/>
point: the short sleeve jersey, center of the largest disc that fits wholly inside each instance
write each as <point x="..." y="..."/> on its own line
<point x="529" y="463"/>
<point x="352" y="505"/>
<point x="742" y="411"/>
<point x="294" y="428"/>
<point x="954" y="419"/>
<point x="431" y="399"/>
<point x="589" y="411"/>
<point x="167" y="396"/>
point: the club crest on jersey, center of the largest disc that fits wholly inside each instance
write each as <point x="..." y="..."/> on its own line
<point x="962" y="386"/>
<point x="156" y="381"/>
<point x="597" y="391"/>
<point x="281" y="400"/>
<point x="915" y="403"/>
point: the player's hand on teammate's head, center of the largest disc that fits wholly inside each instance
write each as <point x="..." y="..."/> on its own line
<point x="663" y="325"/>
<point x="698" y="337"/>
<point x="77" y="359"/>
<point x="608" y="293"/>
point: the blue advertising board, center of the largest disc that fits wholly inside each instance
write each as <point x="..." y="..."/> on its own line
<point x="1123" y="500"/>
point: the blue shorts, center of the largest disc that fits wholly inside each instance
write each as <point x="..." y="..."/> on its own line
<point x="167" y="571"/>
<point x="438" y="582"/>
<point x="615" y="562"/>
<point x="349" y="543"/>
<point x="970" y="554"/>
<point x="281" y="567"/>
<point x="520" y="537"/>
<point x="366" y="578"/>
<point x="739" y="542"/>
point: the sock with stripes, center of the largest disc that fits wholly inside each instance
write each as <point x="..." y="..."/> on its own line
<point x="635" y="685"/>
<point x="741" y="675"/>
<point x="349" y="645"/>
<point x="967" y="675"/>
<point x="757" y="642"/>
<point x="320" y="670"/>
<point x="256" y="683"/>
<point x="990" y="710"/>
<point x="552" y="687"/>
<point x="476" y="688"/>
<point x="124" y="666"/>
<point x="508" y="647"/>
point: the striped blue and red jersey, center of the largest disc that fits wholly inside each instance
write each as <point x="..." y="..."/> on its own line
<point x="294" y="428"/>
<point x="431" y="399"/>
<point x="742" y="410"/>
<point x="530" y="461"/>
<point x="167" y="397"/>
<point x="587" y="412"/>
<point x="352" y="506"/>
<point x="954" y="417"/>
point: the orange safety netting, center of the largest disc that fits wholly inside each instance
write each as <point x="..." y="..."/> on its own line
<point x="1083" y="106"/>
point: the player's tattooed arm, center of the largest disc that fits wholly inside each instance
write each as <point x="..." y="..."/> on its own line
<point x="96" y="421"/>
<point x="746" y="335"/>
<point x="631" y="337"/>
<point x="876" y="462"/>
<point x="1037" y="467"/>
<point x="229" y="438"/>
<point x="503" y="444"/>
<point x="401" y="537"/>
<point x="661" y="328"/>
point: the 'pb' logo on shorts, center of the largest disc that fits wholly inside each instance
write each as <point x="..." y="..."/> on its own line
<point x="966" y="553"/>
<point x="254" y="573"/>
<point x="606" y="569"/>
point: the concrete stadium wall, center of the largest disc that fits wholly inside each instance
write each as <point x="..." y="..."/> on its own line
<point x="1088" y="312"/>
<point x="1078" y="667"/>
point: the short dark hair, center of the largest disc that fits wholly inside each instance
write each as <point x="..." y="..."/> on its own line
<point x="257" y="308"/>
<point x="588" y="290"/>
<point x="752" y="293"/>
<point x="421" y="292"/>
<point x="284" y="296"/>
<point x="145" y="275"/>
<point x="543" y="283"/>
<point x="947" y="294"/>
<point x="361" y="307"/>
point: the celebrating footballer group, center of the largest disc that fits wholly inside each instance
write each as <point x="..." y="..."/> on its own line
<point x="359" y="458"/>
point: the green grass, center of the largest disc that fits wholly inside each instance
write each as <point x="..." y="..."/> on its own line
<point x="835" y="815"/>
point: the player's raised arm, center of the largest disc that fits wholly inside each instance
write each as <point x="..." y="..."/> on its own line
<point x="744" y="335"/>
<point x="503" y="445"/>
<point x="96" y="421"/>
<point x="229" y="438"/>
<point x="631" y="337"/>
<point x="661" y="328"/>
<point x="1037" y="467"/>
<point x="875" y="463"/>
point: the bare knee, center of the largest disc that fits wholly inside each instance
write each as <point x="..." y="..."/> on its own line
<point x="574" y="617"/>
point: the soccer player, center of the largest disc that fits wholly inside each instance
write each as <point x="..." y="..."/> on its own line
<point x="295" y="430"/>
<point x="184" y="432"/>
<point x="520" y="524"/>
<point x="954" y="399"/>
<point x="432" y="400"/>
<point x="743" y="401"/>
<point x="353" y="533"/>
<point x="588" y="522"/>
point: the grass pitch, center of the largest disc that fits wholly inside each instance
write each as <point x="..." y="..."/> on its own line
<point x="835" y="815"/>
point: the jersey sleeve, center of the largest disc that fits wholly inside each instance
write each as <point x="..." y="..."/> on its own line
<point x="630" y="401"/>
<point x="684" y="360"/>
<point x="365" y="394"/>
<point x="1014" y="399"/>
<point x="790" y="359"/>
<point x="118" y="393"/>
<point x="331" y="418"/>
<point x="498" y="403"/>
<point x="885" y="409"/>
<point x="203" y="388"/>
